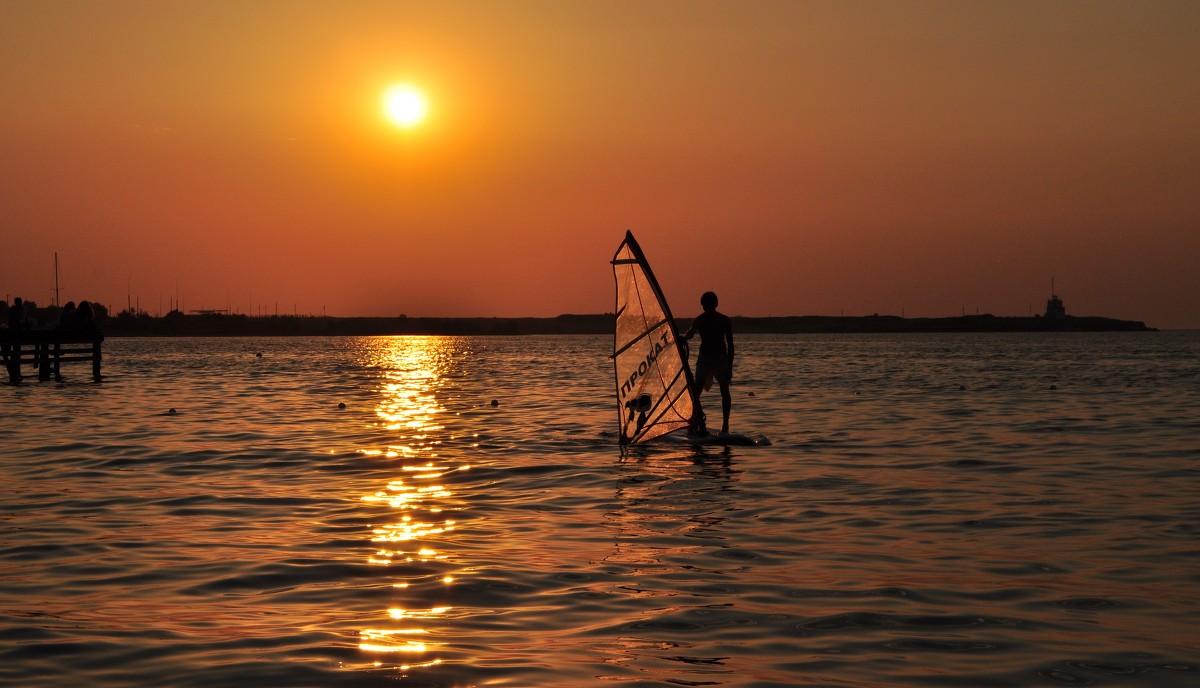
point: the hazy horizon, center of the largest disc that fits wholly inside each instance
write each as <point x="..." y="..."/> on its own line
<point x="920" y="158"/>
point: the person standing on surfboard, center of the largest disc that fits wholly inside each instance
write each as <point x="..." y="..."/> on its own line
<point x="715" y="360"/>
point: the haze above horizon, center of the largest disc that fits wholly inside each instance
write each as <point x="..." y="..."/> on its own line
<point x="798" y="158"/>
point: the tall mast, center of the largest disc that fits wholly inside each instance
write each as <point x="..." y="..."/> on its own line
<point x="56" y="290"/>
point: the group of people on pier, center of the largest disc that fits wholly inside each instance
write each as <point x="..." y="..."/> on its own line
<point x="76" y="326"/>
<point x="71" y="318"/>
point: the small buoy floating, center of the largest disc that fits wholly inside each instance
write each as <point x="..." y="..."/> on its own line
<point x="341" y="404"/>
<point x="495" y="402"/>
<point x="172" y="412"/>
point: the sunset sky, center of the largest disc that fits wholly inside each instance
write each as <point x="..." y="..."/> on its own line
<point x="799" y="158"/>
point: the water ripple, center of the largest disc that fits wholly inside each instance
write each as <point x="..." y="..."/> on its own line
<point x="930" y="513"/>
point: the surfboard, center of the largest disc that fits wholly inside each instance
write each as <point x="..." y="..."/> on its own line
<point x="732" y="439"/>
<point x="656" y="394"/>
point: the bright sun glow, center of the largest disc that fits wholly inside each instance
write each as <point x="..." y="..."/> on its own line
<point x="404" y="105"/>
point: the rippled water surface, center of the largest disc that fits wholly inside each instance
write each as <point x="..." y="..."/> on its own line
<point x="944" y="510"/>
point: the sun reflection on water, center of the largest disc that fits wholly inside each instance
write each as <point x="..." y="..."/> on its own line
<point x="416" y="505"/>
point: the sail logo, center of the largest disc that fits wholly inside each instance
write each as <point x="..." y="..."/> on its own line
<point x="639" y="406"/>
<point x="645" y="365"/>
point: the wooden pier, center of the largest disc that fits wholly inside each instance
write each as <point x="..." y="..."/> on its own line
<point x="47" y="350"/>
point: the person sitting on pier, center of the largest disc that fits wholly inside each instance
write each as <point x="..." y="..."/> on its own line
<point x="66" y="317"/>
<point x="85" y="317"/>
<point x="16" y="316"/>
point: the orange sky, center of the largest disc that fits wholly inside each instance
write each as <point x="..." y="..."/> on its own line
<point x="796" y="157"/>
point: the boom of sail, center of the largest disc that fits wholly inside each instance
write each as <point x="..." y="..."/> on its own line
<point x="655" y="393"/>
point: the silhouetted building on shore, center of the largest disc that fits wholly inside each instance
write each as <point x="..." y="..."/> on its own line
<point x="1054" y="308"/>
<point x="1054" y="305"/>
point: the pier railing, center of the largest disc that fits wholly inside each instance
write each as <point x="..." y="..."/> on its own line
<point x="47" y="350"/>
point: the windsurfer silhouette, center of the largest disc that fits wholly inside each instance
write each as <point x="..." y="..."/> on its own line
<point x="715" y="360"/>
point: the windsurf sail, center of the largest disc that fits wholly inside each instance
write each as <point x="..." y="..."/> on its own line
<point x="655" y="393"/>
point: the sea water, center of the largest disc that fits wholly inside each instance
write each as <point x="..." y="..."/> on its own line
<point x="934" y="510"/>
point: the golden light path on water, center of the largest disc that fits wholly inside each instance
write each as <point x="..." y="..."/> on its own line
<point x="419" y="511"/>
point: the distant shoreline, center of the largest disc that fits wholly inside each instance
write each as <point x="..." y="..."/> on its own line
<point x="222" y="325"/>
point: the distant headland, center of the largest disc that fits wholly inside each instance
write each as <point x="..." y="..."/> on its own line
<point x="242" y="325"/>
<point x="218" y="324"/>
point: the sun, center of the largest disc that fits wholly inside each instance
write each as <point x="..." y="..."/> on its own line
<point x="404" y="105"/>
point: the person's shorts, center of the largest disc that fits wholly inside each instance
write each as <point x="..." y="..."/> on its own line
<point x="709" y="369"/>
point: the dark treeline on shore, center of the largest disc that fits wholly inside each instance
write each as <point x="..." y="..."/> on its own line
<point x="966" y="323"/>
<point x="177" y="324"/>
<point x="217" y="324"/>
<point x="241" y="325"/>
